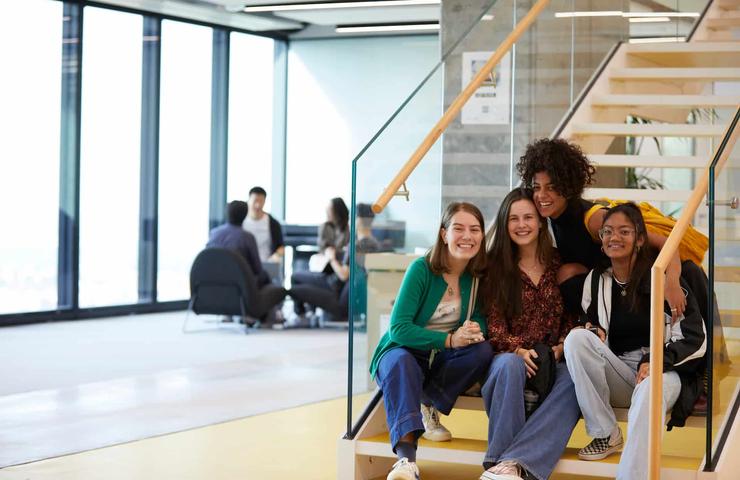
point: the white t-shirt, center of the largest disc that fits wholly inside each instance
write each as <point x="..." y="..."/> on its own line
<point x="261" y="231"/>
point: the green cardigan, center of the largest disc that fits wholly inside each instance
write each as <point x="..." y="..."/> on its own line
<point x="418" y="298"/>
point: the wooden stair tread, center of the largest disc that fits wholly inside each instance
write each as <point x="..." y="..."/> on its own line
<point x="722" y="23"/>
<point x="730" y="318"/>
<point x="687" y="54"/>
<point x="682" y="47"/>
<point x="727" y="274"/>
<point x="669" y="73"/>
<point x="648" y="130"/>
<point x="638" y="194"/>
<point x="666" y="100"/>
<point x="654" y="161"/>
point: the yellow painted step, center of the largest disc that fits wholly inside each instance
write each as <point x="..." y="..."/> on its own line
<point x="650" y="161"/>
<point x="677" y="101"/>
<point x="648" y="130"/>
<point x="467" y="451"/>
<point x="663" y="74"/>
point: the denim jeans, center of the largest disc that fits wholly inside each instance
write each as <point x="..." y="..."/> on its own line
<point x="407" y="380"/>
<point x="537" y="443"/>
<point x="603" y="380"/>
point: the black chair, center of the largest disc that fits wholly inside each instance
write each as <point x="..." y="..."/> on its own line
<point x="222" y="283"/>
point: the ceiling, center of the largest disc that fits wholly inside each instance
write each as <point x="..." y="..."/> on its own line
<point x="305" y="23"/>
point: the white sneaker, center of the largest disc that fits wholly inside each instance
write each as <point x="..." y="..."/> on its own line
<point x="404" y="470"/>
<point x="506" y="470"/>
<point x="433" y="430"/>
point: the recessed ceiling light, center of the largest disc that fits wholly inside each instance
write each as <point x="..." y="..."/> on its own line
<point x="657" y="39"/>
<point x="335" y="5"/>
<point x="649" y="19"/>
<point x="605" y="13"/>
<point x="661" y="14"/>
<point x="415" y="27"/>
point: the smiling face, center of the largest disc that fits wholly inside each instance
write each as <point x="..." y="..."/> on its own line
<point x="523" y="223"/>
<point x="618" y="237"/>
<point x="547" y="200"/>
<point x="463" y="236"/>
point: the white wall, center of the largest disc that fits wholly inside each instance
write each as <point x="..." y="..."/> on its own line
<point x="340" y="91"/>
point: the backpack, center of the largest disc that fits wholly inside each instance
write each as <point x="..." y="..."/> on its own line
<point x="694" y="244"/>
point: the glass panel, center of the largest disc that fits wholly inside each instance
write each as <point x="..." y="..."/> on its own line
<point x="527" y="95"/>
<point x="251" y="93"/>
<point x="726" y="284"/>
<point x="30" y="95"/>
<point x="184" y="153"/>
<point x="110" y="157"/>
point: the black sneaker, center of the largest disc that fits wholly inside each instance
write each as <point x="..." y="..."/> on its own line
<point x="600" y="448"/>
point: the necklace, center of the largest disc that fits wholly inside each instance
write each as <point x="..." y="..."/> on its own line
<point x="450" y="291"/>
<point x="533" y="269"/>
<point x="622" y="285"/>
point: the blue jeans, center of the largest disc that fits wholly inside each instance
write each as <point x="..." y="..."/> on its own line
<point x="407" y="381"/>
<point x="537" y="443"/>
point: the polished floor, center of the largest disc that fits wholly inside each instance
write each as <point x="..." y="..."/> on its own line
<point x="76" y="386"/>
<point x="295" y="443"/>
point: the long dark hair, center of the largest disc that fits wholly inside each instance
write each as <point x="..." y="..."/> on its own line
<point x="644" y="256"/>
<point x="438" y="258"/>
<point x="340" y="213"/>
<point x="503" y="284"/>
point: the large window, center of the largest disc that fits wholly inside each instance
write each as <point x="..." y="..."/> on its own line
<point x="30" y="98"/>
<point x="251" y="89"/>
<point x="110" y="157"/>
<point x="338" y="97"/>
<point x="184" y="153"/>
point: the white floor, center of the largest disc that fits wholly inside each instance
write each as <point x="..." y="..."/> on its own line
<point x="73" y="386"/>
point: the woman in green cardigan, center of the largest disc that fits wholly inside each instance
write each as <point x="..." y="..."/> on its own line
<point x="433" y="350"/>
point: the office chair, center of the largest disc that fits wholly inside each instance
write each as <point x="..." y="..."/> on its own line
<point x="222" y="283"/>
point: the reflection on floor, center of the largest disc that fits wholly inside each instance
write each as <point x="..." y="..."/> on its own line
<point x="75" y="386"/>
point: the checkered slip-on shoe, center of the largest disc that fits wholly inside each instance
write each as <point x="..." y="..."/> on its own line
<point x="600" y="448"/>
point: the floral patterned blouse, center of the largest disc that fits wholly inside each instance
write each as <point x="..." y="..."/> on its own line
<point x="542" y="318"/>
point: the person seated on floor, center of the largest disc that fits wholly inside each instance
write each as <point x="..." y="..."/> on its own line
<point x="231" y="235"/>
<point x="435" y="347"/>
<point x="609" y="359"/>
<point x="330" y="291"/>
<point x="528" y="430"/>
<point x="558" y="172"/>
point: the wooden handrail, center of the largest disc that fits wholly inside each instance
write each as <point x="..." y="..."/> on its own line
<point x="454" y="109"/>
<point x="657" y="298"/>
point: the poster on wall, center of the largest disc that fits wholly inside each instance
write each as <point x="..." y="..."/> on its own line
<point x="490" y="104"/>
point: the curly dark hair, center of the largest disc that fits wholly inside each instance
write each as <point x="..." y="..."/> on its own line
<point x="569" y="169"/>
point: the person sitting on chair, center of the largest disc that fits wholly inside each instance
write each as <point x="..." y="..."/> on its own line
<point x="231" y="235"/>
<point x="330" y="291"/>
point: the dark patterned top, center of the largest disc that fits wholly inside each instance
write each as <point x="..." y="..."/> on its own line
<point x="542" y="319"/>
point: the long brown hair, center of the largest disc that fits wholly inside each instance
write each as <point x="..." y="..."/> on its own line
<point x="438" y="256"/>
<point x="503" y="283"/>
<point x="644" y="256"/>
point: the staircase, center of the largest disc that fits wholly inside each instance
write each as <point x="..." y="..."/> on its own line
<point x="678" y="90"/>
<point x="661" y="84"/>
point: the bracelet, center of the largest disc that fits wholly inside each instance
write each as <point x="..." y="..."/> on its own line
<point x="451" y="336"/>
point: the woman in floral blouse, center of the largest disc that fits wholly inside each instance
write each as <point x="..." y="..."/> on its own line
<point x="524" y="308"/>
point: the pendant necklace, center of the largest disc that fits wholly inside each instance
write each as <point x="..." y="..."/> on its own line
<point x="450" y="291"/>
<point x="622" y="286"/>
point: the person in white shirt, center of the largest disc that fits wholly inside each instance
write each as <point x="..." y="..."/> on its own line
<point x="266" y="230"/>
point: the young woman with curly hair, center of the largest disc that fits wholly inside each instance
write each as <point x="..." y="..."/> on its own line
<point x="558" y="172"/>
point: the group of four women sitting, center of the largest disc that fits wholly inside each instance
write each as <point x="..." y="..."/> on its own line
<point x="464" y="315"/>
